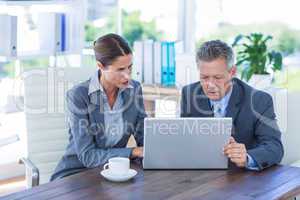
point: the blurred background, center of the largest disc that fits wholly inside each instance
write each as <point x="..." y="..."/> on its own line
<point x="59" y="34"/>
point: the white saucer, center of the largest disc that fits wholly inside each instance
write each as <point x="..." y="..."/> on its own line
<point x="117" y="178"/>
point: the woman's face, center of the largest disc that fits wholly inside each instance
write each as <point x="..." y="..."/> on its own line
<point x="119" y="72"/>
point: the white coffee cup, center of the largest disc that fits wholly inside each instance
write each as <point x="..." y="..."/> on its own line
<point x="117" y="165"/>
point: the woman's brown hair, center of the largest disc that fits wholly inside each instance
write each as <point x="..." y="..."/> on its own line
<point x="109" y="47"/>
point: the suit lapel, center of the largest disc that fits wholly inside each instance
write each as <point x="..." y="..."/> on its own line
<point x="96" y="108"/>
<point x="203" y="106"/>
<point x="234" y="105"/>
<point x="128" y="100"/>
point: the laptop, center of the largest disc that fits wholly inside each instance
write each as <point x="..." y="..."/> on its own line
<point x="186" y="143"/>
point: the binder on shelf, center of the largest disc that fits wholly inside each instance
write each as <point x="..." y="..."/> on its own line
<point x="186" y="69"/>
<point x="164" y="64"/>
<point x="172" y="64"/>
<point x="137" y="70"/>
<point x="168" y="64"/>
<point x="60" y="36"/>
<point x="47" y="40"/>
<point x="154" y="62"/>
<point x="8" y="35"/>
<point x="148" y="62"/>
<point x="27" y="35"/>
<point x="157" y="63"/>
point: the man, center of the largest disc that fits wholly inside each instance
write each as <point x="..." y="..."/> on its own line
<point x="256" y="140"/>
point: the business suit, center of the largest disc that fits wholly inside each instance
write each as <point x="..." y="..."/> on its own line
<point x="254" y="120"/>
<point x="86" y="123"/>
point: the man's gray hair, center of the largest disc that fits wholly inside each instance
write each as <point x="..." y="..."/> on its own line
<point x="214" y="49"/>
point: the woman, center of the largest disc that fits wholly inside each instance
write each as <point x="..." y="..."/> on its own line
<point x="104" y="111"/>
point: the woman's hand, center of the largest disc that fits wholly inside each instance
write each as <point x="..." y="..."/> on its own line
<point x="137" y="152"/>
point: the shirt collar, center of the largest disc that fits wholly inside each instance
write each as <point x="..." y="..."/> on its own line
<point x="224" y="101"/>
<point x="95" y="84"/>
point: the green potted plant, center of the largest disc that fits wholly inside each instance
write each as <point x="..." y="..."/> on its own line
<point x="256" y="59"/>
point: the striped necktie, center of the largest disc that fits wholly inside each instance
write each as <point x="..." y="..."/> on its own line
<point x="217" y="108"/>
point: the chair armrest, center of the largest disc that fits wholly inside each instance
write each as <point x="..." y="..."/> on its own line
<point x="9" y="140"/>
<point x="33" y="171"/>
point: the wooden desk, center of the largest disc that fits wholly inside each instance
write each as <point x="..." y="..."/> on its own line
<point x="280" y="182"/>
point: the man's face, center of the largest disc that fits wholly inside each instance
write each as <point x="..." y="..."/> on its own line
<point x="215" y="78"/>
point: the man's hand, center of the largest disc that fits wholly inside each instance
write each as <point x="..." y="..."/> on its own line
<point x="236" y="152"/>
<point x="137" y="152"/>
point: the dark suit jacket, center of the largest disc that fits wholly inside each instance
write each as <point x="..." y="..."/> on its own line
<point x="254" y="120"/>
